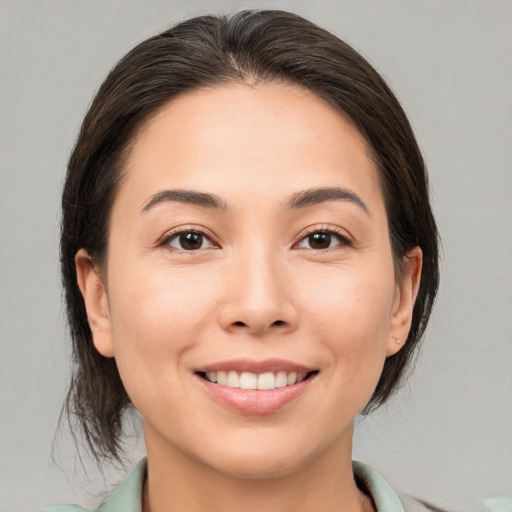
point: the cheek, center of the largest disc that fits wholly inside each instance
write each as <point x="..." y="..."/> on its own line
<point x="350" y="312"/>
<point x="156" y="317"/>
<point x="160" y="301"/>
<point x="350" y="303"/>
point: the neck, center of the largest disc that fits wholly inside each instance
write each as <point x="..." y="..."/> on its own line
<point x="176" y="482"/>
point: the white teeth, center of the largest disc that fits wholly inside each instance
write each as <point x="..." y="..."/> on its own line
<point x="249" y="380"/>
<point x="266" y="381"/>
<point x="233" y="380"/>
<point x="281" y="380"/>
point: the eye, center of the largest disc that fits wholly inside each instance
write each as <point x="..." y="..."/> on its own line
<point x="321" y="240"/>
<point x="189" y="241"/>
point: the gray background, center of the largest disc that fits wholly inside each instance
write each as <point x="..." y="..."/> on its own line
<point x="447" y="435"/>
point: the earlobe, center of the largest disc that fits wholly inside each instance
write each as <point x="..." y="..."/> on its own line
<point x="405" y="297"/>
<point x="96" y="303"/>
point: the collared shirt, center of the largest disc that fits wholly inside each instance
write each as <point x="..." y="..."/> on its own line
<point x="128" y="496"/>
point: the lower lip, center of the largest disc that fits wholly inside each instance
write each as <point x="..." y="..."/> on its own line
<point x="255" y="401"/>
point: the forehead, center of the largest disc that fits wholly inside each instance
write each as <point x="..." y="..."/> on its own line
<point x="258" y="139"/>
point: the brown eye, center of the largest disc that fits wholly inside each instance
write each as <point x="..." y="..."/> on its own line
<point x="189" y="241"/>
<point x="321" y="240"/>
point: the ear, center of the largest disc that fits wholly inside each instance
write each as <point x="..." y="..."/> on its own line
<point x="96" y="303"/>
<point x="403" y="304"/>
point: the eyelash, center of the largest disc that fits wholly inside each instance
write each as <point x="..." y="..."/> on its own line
<point x="175" y="235"/>
<point x="343" y="240"/>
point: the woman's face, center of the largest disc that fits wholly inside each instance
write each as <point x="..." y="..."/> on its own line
<point x="249" y="247"/>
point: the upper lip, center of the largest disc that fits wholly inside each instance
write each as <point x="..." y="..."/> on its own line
<point x="258" y="367"/>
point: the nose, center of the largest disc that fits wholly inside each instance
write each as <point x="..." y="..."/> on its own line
<point x="258" y="298"/>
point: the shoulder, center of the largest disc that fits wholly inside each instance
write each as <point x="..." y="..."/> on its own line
<point x="383" y="496"/>
<point x="412" y="504"/>
<point x="127" y="497"/>
<point x="63" y="508"/>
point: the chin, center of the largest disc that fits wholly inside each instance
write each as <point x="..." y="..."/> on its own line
<point x="266" y="456"/>
<point x="248" y="466"/>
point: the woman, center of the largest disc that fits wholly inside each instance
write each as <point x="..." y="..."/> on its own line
<point x="250" y="260"/>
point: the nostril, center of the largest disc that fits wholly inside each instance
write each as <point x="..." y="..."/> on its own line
<point x="277" y="323"/>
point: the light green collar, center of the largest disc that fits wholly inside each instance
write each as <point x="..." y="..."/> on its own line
<point x="385" y="499"/>
<point x="128" y="496"/>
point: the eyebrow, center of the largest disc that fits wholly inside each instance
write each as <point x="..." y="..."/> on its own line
<point x="186" y="197"/>
<point x="315" y="196"/>
<point x="301" y="199"/>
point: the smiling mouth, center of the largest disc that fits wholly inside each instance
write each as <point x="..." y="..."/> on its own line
<point x="262" y="381"/>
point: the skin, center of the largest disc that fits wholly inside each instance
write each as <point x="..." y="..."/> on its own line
<point x="255" y="289"/>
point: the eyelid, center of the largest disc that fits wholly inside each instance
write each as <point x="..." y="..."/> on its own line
<point x="164" y="240"/>
<point x="345" y="239"/>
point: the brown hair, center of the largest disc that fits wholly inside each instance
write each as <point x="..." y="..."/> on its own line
<point x="214" y="50"/>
